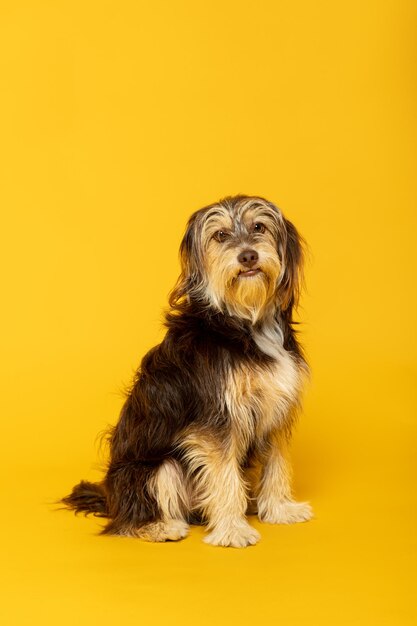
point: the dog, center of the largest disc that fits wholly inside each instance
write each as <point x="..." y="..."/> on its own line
<point x="204" y="432"/>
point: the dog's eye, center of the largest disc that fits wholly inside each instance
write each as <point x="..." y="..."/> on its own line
<point x="220" y="236"/>
<point x="258" y="228"/>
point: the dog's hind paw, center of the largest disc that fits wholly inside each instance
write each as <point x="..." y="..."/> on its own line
<point x="238" y="536"/>
<point x="171" y="530"/>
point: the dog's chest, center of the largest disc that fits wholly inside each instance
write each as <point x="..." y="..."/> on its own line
<point x="259" y="397"/>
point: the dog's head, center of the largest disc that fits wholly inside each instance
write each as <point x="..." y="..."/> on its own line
<point x="242" y="257"/>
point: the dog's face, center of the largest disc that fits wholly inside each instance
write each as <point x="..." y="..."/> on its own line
<point x="240" y="256"/>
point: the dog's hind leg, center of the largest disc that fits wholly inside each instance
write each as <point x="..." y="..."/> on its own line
<point x="146" y="500"/>
<point x="129" y="504"/>
<point x="169" y="488"/>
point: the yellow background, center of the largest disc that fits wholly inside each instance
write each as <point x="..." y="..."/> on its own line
<point x="118" y="119"/>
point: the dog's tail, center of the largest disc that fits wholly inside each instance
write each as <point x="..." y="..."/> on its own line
<point x="87" y="498"/>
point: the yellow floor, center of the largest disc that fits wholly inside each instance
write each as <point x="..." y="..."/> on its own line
<point x="353" y="564"/>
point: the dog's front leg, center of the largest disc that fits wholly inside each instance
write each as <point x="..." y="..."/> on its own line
<point x="220" y="493"/>
<point x="275" y="502"/>
<point x="225" y="507"/>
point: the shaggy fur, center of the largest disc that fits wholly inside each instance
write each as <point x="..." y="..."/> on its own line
<point x="204" y="431"/>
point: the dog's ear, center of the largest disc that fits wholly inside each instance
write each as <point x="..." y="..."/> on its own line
<point x="292" y="252"/>
<point x="190" y="258"/>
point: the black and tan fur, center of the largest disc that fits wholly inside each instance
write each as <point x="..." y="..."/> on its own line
<point x="204" y="431"/>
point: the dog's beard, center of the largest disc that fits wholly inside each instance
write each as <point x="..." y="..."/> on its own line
<point x="247" y="297"/>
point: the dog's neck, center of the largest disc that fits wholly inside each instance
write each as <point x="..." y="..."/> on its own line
<point x="272" y="334"/>
<point x="269" y="336"/>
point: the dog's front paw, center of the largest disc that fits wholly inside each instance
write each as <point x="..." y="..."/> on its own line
<point x="285" y="512"/>
<point x="235" y="536"/>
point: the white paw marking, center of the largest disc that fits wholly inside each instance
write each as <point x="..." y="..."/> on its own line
<point x="285" y="512"/>
<point x="238" y="536"/>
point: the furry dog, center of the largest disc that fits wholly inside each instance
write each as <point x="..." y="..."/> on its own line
<point x="204" y="431"/>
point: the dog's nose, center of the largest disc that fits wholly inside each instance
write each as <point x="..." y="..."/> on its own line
<point x="248" y="258"/>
